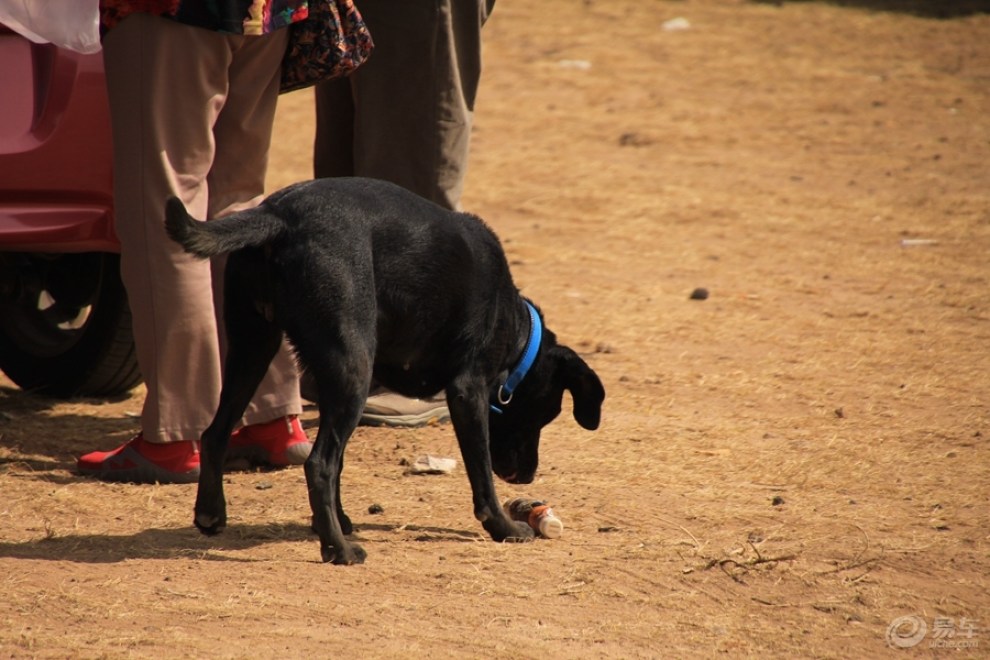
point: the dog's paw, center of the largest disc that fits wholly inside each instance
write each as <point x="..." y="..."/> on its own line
<point x="521" y="534"/>
<point x="509" y="531"/>
<point x="345" y="556"/>
<point x="209" y="524"/>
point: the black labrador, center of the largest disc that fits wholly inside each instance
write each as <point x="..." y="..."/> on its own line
<point x="371" y="282"/>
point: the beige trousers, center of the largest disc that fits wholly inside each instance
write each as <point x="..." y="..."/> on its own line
<point x="192" y="113"/>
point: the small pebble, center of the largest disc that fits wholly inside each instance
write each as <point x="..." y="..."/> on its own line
<point x="699" y="294"/>
<point x="376" y="509"/>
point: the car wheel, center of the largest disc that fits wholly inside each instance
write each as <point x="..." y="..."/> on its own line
<point x="65" y="326"/>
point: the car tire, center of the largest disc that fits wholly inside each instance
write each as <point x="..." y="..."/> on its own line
<point x="65" y="325"/>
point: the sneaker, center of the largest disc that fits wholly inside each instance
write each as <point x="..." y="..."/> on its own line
<point x="143" y="462"/>
<point x="279" y="442"/>
<point x="385" y="408"/>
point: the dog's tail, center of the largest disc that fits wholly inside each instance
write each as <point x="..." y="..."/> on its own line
<point x="251" y="228"/>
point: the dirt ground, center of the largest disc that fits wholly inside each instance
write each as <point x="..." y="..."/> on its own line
<point x="783" y="469"/>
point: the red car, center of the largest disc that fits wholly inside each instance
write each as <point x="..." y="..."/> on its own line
<point x="65" y="326"/>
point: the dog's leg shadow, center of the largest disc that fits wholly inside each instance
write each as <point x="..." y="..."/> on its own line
<point x="426" y="533"/>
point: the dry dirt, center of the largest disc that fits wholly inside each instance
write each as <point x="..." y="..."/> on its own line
<point x="783" y="469"/>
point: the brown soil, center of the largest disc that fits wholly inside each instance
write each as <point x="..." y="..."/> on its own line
<point x="783" y="469"/>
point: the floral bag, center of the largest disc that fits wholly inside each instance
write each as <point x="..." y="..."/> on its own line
<point x="332" y="42"/>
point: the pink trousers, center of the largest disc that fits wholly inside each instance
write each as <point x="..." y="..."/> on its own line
<point x="192" y="113"/>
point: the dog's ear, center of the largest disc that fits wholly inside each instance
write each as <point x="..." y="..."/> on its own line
<point x="585" y="387"/>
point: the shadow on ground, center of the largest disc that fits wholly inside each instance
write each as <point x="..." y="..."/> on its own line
<point x="187" y="542"/>
<point x="940" y="9"/>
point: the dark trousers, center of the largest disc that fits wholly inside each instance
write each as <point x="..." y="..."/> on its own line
<point x="405" y="115"/>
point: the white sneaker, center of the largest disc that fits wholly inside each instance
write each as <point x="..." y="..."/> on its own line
<point x="385" y="408"/>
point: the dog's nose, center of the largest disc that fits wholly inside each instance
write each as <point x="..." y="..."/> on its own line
<point x="517" y="479"/>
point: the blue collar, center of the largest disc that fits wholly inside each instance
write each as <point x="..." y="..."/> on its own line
<point x="505" y="390"/>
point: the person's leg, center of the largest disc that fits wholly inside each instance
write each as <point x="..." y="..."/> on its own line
<point x="237" y="181"/>
<point x="408" y="112"/>
<point x="333" y="153"/>
<point x="166" y="85"/>
<point x="272" y="434"/>
<point x="161" y="119"/>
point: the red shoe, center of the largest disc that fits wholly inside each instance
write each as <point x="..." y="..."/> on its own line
<point x="143" y="462"/>
<point x="279" y="442"/>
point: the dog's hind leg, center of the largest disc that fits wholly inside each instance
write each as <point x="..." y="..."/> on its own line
<point x="342" y="378"/>
<point x="253" y="342"/>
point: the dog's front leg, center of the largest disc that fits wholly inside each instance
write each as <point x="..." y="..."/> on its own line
<point x="469" y="415"/>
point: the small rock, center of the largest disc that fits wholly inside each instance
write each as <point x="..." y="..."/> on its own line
<point x="699" y="294"/>
<point x="633" y="139"/>
<point x="777" y="500"/>
<point x="432" y="465"/>
<point x="676" y="24"/>
<point x="376" y="509"/>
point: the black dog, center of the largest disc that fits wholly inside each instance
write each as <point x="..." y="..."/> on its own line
<point x="369" y="281"/>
